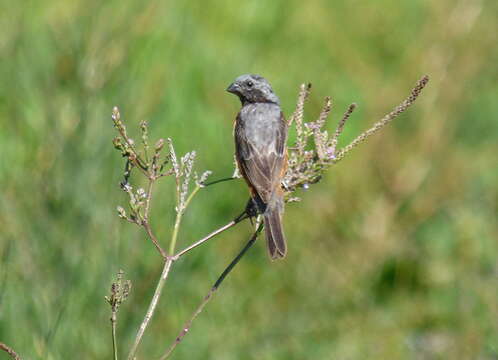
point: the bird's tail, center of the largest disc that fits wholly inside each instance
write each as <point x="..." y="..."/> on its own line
<point x="275" y="238"/>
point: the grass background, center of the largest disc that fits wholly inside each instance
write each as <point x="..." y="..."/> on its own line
<point x="392" y="256"/>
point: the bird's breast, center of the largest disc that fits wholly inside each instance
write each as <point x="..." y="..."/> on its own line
<point x="260" y="123"/>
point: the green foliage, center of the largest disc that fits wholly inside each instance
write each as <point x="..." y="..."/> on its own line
<point x="391" y="256"/>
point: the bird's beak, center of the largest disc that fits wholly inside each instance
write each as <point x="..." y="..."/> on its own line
<point x="233" y="88"/>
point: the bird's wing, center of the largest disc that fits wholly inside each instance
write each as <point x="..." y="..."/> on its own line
<point x="262" y="159"/>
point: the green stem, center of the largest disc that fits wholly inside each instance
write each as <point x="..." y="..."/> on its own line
<point x="152" y="308"/>
<point x="207" y="298"/>
<point x="114" y="344"/>
<point x="178" y="220"/>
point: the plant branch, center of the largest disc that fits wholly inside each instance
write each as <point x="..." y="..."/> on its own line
<point x="181" y="210"/>
<point x="209" y="295"/>
<point x="152" y="307"/>
<point x="9" y="351"/>
<point x="386" y="119"/>
<point x="176" y="228"/>
<point x="153" y="238"/>
<point x="340" y="127"/>
<point x="114" y="345"/>
<point x="120" y="289"/>
<point x="234" y="222"/>
<point x="164" y="276"/>
<point x="218" y="181"/>
<point x="148" y="199"/>
<point x="145" y="223"/>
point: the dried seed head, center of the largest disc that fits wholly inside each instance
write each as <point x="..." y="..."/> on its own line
<point x="118" y="144"/>
<point x="121" y="212"/>
<point x="141" y="193"/>
<point x="306" y="163"/>
<point x="159" y="145"/>
<point x="173" y="158"/>
<point x="203" y="177"/>
<point x="115" y="114"/>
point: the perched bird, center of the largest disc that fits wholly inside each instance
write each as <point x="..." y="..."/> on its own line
<point x="260" y="149"/>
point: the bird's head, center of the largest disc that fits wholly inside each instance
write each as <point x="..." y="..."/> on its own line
<point x="252" y="88"/>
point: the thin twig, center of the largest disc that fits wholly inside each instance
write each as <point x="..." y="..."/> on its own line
<point x="218" y="181"/>
<point x="297" y="117"/>
<point x="322" y="118"/>
<point x="178" y="219"/>
<point x="234" y="222"/>
<point x="176" y="228"/>
<point x="148" y="199"/>
<point x="120" y="289"/>
<point x="145" y="223"/>
<point x="116" y="117"/>
<point x="238" y="257"/>
<point x="340" y="127"/>
<point x="320" y="137"/>
<point x="213" y="289"/>
<point x="9" y="351"/>
<point x="304" y="91"/>
<point x="204" y="239"/>
<point x="114" y="345"/>
<point x="164" y="276"/>
<point x="152" y="307"/>
<point x="152" y="237"/>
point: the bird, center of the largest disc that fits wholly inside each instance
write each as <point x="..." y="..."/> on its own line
<point x="260" y="133"/>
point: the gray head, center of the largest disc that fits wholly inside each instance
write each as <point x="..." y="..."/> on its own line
<point x="252" y="88"/>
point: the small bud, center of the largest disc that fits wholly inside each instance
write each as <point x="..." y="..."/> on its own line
<point x="159" y="145"/>
<point x="141" y="193"/>
<point x="117" y="143"/>
<point x="203" y="177"/>
<point x="120" y="289"/>
<point x="115" y="114"/>
<point x="121" y="212"/>
<point x="173" y="158"/>
<point x="115" y="288"/>
<point x="126" y="289"/>
<point x="126" y="187"/>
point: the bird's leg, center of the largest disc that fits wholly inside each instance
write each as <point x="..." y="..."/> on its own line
<point x="252" y="209"/>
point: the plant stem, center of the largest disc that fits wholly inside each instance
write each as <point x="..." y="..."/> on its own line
<point x="206" y="238"/>
<point x="209" y="295"/>
<point x="178" y="219"/>
<point x="238" y="219"/>
<point x="9" y="351"/>
<point x="191" y="196"/>
<point x="218" y="181"/>
<point x="114" y="345"/>
<point x="169" y="261"/>
<point x="148" y="199"/>
<point x="145" y="222"/>
<point x="152" y="307"/>
<point x="174" y="236"/>
<point x="148" y="229"/>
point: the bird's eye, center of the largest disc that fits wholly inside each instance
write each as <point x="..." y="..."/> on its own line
<point x="249" y="84"/>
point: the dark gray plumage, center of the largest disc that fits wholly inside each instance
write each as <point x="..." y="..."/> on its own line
<point x="260" y="139"/>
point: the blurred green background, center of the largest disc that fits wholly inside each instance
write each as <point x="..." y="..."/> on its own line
<point x="392" y="256"/>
